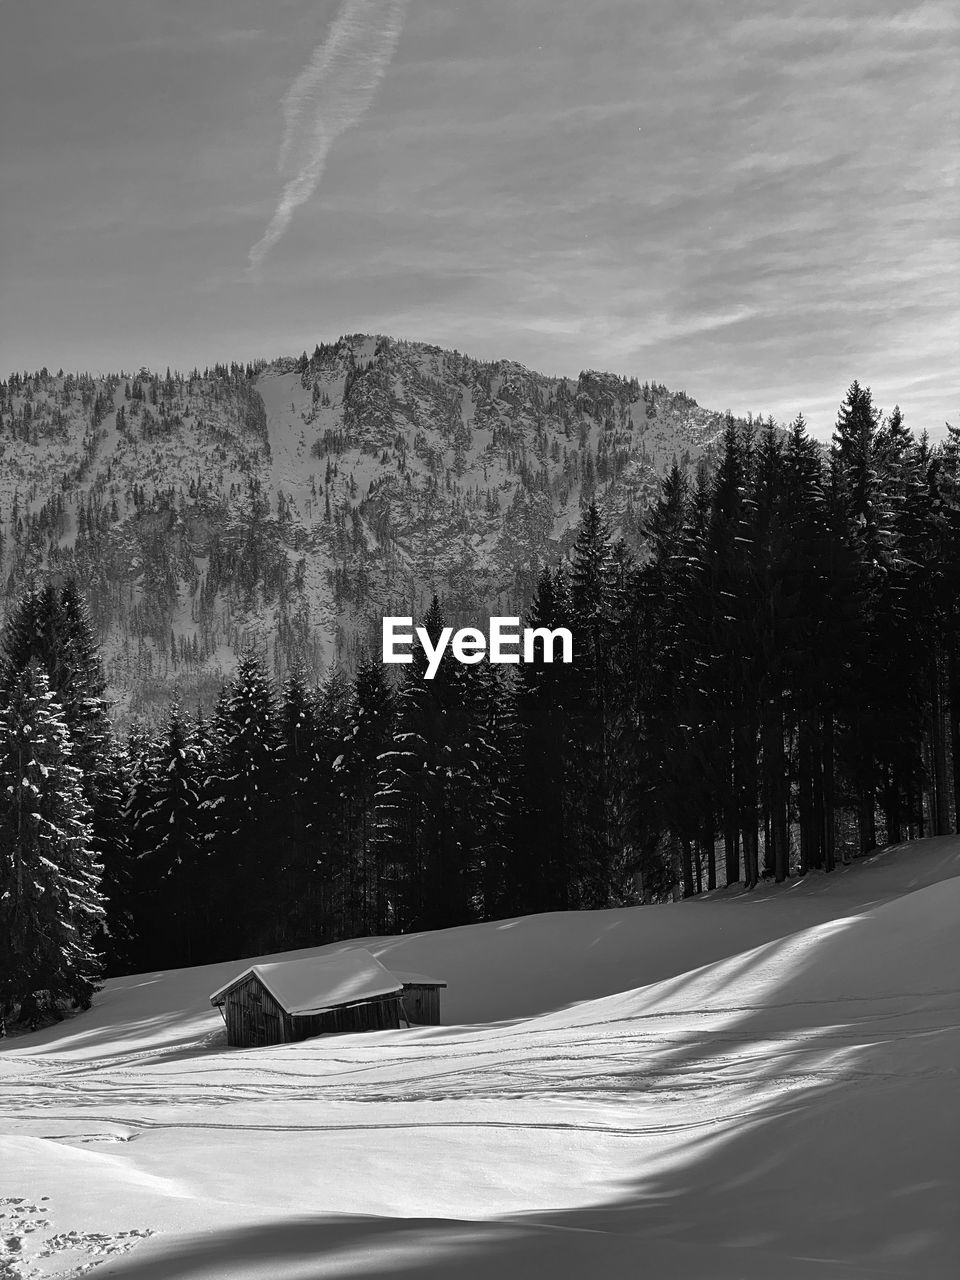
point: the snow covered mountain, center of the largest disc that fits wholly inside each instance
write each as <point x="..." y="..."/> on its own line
<point x="289" y="506"/>
<point x="739" y="1086"/>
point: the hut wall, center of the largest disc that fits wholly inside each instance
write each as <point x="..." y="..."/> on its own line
<point x="252" y="1015"/>
<point x="421" y="1004"/>
<point x="380" y="1014"/>
<point x="254" y="1018"/>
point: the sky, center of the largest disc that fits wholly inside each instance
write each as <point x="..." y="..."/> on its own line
<point x="754" y="203"/>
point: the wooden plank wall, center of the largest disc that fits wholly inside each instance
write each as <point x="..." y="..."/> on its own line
<point x="421" y="1004"/>
<point x="253" y="1017"/>
<point x="373" y="1015"/>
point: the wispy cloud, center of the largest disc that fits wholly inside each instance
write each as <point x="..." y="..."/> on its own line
<point x="329" y="96"/>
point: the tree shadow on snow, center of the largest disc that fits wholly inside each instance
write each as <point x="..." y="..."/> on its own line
<point x="831" y="1152"/>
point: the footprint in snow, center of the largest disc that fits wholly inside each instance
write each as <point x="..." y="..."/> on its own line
<point x="19" y="1250"/>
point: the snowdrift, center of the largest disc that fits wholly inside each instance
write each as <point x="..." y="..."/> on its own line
<point x="742" y="1085"/>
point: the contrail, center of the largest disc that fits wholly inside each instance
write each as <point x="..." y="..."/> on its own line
<point x="330" y="94"/>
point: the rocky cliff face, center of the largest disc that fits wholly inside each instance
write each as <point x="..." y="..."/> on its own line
<point x="289" y="506"/>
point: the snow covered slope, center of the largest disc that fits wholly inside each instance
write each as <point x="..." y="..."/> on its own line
<point x="288" y="506"/>
<point x="758" y="1085"/>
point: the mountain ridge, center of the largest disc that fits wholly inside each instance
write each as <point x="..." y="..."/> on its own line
<point x="286" y="506"/>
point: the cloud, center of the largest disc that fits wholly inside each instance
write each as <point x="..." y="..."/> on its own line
<point x="330" y="95"/>
<point x="239" y="36"/>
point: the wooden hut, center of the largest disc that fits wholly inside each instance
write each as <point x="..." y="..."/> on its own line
<point x="421" y="998"/>
<point x="289" y="1000"/>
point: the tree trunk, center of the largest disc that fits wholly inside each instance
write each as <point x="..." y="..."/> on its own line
<point x="828" y="793"/>
<point x="731" y="827"/>
<point x="891" y="806"/>
<point x="686" y="866"/>
<point x="939" y="808"/>
<point x="819" y="806"/>
<point x="751" y="855"/>
<point x="709" y="848"/>
<point x="775" y="856"/>
<point x="748" y="787"/>
<point x="867" y="821"/>
<point x="920" y="813"/>
<point x="731" y="846"/>
<point x="806" y="808"/>
<point x="954" y="710"/>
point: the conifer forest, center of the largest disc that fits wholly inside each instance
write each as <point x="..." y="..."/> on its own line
<point x="769" y="686"/>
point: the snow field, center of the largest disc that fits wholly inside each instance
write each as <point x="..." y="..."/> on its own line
<point x="758" y="1085"/>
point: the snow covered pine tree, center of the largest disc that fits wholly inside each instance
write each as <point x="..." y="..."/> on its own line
<point x="50" y="904"/>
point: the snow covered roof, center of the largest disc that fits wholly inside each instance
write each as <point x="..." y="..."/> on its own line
<point x="416" y="979"/>
<point x="315" y="984"/>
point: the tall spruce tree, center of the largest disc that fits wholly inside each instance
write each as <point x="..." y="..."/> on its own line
<point x="53" y="628"/>
<point x="50" y="904"/>
<point x="730" y="662"/>
<point x="545" y="870"/>
<point x="172" y="881"/>
<point x="367" y="735"/>
<point x="112" y="845"/>
<point x="299" y="794"/>
<point x="594" y="617"/>
<point x="239" y="805"/>
<point x="426" y="796"/>
<point x="774" y="620"/>
<point x="490" y="750"/>
<point x="863" y="520"/>
<point x="333" y="876"/>
<point x="660" y="640"/>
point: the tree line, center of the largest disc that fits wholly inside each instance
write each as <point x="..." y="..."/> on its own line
<point x="770" y="686"/>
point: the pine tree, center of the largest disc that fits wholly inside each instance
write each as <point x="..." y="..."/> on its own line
<point x="298" y="817"/>
<point x="113" y="848"/>
<point x="171" y="878"/>
<point x="238" y="808"/>
<point x="730" y="663"/>
<point x="653" y="637"/>
<point x="368" y="733"/>
<point x="706" y="774"/>
<point x="490" y="751"/>
<point x="808" y="585"/>
<point x="773" y="622"/>
<point x="50" y="905"/>
<point x="865" y="497"/>
<point x="594" y="618"/>
<point x="83" y="693"/>
<point x="546" y="852"/>
<point x="425" y="797"/>
<point x="684" y="768"/>
<point x="54" y="629"/>
<point x="333" y="872"/>
<point x="920" y="652"/>
<point x="856" y="446"/>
